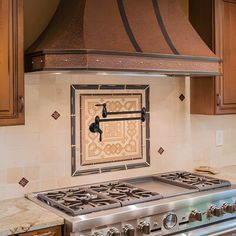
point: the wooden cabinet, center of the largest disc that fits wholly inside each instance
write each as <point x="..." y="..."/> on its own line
<point x="53" y="231"/>
<point x="215" y="21"/>
<point x="11" y="63"/>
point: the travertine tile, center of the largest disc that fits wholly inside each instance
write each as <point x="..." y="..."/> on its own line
<point x="14" y="175"/>
<point x="32" y="172"/>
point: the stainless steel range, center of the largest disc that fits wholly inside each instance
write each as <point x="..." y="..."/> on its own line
<point x="174" y="203"/>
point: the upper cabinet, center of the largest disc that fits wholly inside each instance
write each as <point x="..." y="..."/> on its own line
<point x="215" y="21"/>
<point x="11" y="63"/>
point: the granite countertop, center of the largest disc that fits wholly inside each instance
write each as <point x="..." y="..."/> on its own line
<point x="22" y="215"/>
<point x="227" y="173"/>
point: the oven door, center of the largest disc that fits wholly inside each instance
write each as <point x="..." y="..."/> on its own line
<point x="226" y="228"/>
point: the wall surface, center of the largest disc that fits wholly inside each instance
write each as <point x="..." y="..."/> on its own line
<point x="40" y="150"/>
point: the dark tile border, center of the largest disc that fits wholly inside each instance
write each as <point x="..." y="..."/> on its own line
<point x="87" y="172"/>
<point x="137" y="165"/>
<point x="147" y="94"/>
<point x="111" y="87"/>
<point x="73" y="89"/>
<point x="86" y="86"/>
<point x="147" y="125"/>
<point x="113" y="168"/>
<point x="148" y="158"/>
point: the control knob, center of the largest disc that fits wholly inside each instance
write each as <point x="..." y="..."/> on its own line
<point x="129" y="230"/>
<point x="227" y="208"/>
<point x="98" y="234"/>
<point x="195" y="215"/>
<point x="170" y="221"/>
<point x="234" y="206"/>
<point x="113" y="232"/>
<point x="144" y="227"/>
<point x="215" y="211"/>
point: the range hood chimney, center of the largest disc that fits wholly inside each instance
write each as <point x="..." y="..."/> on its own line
<point x="152" y="36"/>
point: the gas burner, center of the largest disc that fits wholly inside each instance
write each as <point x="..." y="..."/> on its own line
<point x="192" y="180"/>
<point x="125" y="193"/>
<point x="77" y="201"/>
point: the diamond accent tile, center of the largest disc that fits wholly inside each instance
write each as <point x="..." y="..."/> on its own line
<point x="56" y="115"/>
<point x="161" y="150"/>
<point x="181" y="97"/>
<point x="23" y="182"/>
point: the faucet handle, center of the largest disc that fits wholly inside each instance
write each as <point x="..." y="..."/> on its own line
<point x="104" y="109"/>
<point x="95" y="127"/>
<point x="100" y="134"/>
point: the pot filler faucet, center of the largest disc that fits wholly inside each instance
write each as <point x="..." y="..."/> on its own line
<point x="95" y="126"/>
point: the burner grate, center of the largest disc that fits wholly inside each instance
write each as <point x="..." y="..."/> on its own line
<point x="78" y="201"/>
<point x="191" y="180"/>
<point x="125" y="193"/>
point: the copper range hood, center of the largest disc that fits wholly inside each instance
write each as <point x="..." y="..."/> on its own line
<point x="137" y="36"/>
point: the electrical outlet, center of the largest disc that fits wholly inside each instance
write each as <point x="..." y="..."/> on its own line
<point x="219" y="138"/>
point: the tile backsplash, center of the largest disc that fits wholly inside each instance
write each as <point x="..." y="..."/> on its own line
<point x="40" y="151"/>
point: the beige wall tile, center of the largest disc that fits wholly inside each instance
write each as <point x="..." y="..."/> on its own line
<point x="14" y="175"/>
<point x="32" y="173"/>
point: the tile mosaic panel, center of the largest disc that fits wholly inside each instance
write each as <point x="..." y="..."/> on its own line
<point x="121" y="140"/>
<point x="124" y="143"/>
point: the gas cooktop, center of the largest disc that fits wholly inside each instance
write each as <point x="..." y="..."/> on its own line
<point x="87" y="199"/>
<point x="161" y="204"/>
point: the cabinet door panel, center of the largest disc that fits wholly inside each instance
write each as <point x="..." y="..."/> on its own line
<point x="225" y="37"/>
<point x="5" y="80"/>
<point x="215" y="21"/>
<point x="11" y="62"/>
<point x="229" y="52"/>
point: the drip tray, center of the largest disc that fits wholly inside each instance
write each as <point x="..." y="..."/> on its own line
<point x="153" y="184"/>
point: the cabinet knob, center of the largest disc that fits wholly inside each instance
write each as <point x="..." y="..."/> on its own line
<point x="21" y="104"/>
<point x="218" y="99"/>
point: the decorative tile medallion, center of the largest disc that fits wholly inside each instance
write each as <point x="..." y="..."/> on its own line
<point x="161" y="150"/>
<point x="181" y="97"/>
<point x="23" y="182"/>
<point x="124" y="138"/>
<point x="55" y="115"/>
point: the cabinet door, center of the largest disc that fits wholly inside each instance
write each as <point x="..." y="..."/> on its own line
<point x="53" y="231"/>
<point x="225" y="32"/>
<point x="202" y="90"/>
<point x="11" y="63"/>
